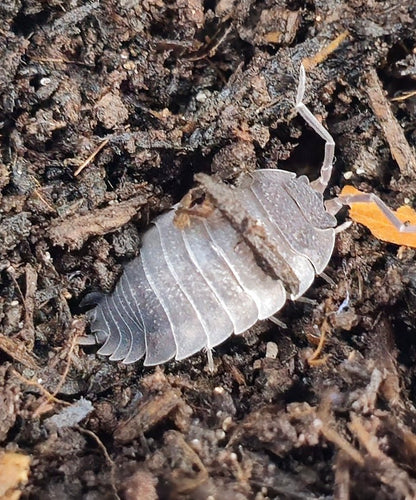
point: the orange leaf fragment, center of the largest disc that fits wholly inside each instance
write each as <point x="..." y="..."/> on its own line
<point x="14" y="472"/>
<point x="371" y="216"/>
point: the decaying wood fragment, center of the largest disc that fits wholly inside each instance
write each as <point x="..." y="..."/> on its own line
<point x="188" y="471"/>
<point x="17" y="350"/>
<point x="75" y="230"/>
<point x="149" y="414"/>
<point x="381" y="465"/>
<point x="28" y="331"/>
<point x="399" y="147"/>
<point x="262" y="245"/>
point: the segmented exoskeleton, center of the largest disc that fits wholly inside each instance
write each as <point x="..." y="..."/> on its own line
<point x="217" y="264"/>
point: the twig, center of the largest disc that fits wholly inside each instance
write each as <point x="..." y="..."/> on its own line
<point x="39" y="386"/>
<point x="400" y="149"/>
<point x="74" y="343"/>
<point x="313" y="358"/>
<point x="211" y="47"/>
<point x="384" y="468"/>
<point x="106" y="455"/>
<point x="404" y="96"/>
<point x="59" y="60"/>
<point x="342" y="477"/>
<point x="311" y="62"/>
<point x="52" y="396"/>
<point x="91" y="157"/>
<point x="336" y="438"/>
<point x="29" y="304"/>
<point x="37" y="192"/>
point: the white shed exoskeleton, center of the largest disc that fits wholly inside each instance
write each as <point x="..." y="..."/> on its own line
<point x="220" y="261"/>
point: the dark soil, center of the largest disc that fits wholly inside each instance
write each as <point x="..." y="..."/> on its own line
<point x="156" y="91"/>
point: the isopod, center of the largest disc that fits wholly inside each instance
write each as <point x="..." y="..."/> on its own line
<point x="220" y="261"/>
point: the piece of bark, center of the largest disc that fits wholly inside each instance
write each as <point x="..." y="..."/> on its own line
<point x="400" y="149"/>
<point x="17" y="350"/>
<point x="74" y="231"/>
<point x="262" y="245"/>
<point x="152" y="412"/>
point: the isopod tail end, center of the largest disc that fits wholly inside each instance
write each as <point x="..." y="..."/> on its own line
<point x="157" y="355"/>
<point x="91" y="299"/>
<point x="99" y="332"/>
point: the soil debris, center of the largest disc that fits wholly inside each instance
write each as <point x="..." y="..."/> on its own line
<point x="108" y="110"/>
<point x="74" y="231"/>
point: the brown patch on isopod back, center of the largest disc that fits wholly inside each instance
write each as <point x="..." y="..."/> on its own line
<point x="194" y="204"/>
<point x="264" y="249"/>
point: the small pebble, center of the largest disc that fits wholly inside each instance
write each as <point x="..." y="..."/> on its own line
<point x="271" y="350"/>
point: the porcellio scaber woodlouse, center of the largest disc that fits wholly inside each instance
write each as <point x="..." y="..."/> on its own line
<point x="218" y="262"/>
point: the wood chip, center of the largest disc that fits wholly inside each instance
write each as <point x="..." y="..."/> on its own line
<point x="150" y="413"/>
<point x="188" y="471"/>
<point x="17" y="350"/>
<point x="400" y="149"/>
<point x="75" y="230"/>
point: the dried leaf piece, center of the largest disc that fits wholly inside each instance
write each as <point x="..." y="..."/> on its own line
<point x="14" y="472"/>
<point x="370" y="215"/>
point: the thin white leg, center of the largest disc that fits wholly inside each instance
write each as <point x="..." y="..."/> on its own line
<point x="211" y="365"/>
<point x="400" y="226"/>
<point x="326" y="170"/>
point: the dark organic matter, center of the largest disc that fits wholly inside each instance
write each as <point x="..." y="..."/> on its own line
<point x="112" y="104"/>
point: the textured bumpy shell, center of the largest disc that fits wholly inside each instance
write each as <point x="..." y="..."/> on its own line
<point x="193" y="287"/>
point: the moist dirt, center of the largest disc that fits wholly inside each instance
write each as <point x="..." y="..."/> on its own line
<point x="108" y="110"/>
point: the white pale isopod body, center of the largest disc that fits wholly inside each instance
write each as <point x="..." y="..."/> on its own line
<point x="195" y="284"/>
<point x="192" y="287"/>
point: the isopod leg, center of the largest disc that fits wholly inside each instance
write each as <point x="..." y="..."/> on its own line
<point x="326" y="170"/>
<point x="402" y="227"/>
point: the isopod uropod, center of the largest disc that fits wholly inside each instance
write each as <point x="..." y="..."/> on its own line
<point x="214" y="267"/>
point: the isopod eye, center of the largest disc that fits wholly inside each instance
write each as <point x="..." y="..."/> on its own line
<point x="91" y="299"/>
